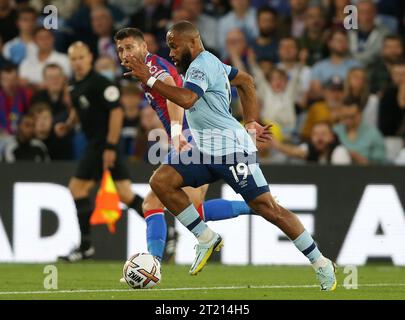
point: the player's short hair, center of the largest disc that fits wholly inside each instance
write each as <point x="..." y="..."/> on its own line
<point x="184" y="27"/>
<point x="129" y="33"/>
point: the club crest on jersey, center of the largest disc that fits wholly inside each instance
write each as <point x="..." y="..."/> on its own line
<point x="84" y="103"/>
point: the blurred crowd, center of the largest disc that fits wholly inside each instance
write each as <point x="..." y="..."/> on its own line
<point x="331" y="82"/>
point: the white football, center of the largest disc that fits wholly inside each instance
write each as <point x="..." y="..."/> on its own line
<point x="142" y="271"/>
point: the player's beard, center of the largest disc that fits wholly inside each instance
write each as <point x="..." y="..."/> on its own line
<point x="184" y="62"/>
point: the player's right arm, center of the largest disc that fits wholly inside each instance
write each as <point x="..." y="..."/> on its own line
<point x="63" y="128"/>
<point x="183" y="97"/>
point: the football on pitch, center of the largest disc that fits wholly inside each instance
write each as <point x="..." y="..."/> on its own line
<point x="142" y="271"/>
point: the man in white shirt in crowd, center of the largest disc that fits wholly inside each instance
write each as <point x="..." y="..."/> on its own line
<point x="31" y="69"/>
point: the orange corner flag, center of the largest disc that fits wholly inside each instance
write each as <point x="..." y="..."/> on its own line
<point x="107" y="209"/>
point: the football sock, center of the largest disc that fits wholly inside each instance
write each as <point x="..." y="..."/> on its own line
<point x="156" y="232"/>
<point x="136" y="204"/>
<point x="190" y="218"/>
<point x="220" y="209"/>
<point x="306" y="244"/>
<point x="84" y="209"/>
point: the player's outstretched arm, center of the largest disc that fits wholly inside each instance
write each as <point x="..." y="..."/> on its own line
<point x="183" y="97"/>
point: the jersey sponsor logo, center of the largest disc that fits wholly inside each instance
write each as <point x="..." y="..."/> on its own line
<point x="111" y="93"/>
<point x="198" y="75"/>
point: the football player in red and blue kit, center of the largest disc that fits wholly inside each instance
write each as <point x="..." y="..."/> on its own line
<point x="130" y="42"/>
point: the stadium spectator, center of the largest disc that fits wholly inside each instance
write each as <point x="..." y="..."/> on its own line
<point x="24" y="147"/>
<point x="243" y="17"/>
<point x="3" y="61"/>
<point x="102" y="25"/>
<point x="106" y="66"/>
<point x="294" y="23"/>
<point x="366" y="41"/>
<point x="80" y="22"/>
<point x="207" y="25"/>
<point x="277" y="96"/>
<point x="338" y="64"/>
<point x="22" y="46"/>
<point x="58" y="148"/>
<point x="391" y="117"/>
<point x="8" y="18"/>
<point x="31" y="69"/>
<point x="65" y="8"/>
<point x="326" y="110"/>
<point x="314" y="39"/>
<point x="129" y="7"/>
<point x="265" y="45"/>
<point x="323" y="147"/>
<point x="337" y="13"/>
<point x="289" y="62"/>
<point x="391" y="52"/>
<point x="217" y="8"/>
<point x="364" y="142"/>
<point x="356" y="87"/>
<point x="14" y="99"/>
<point x="131" y="99"/>
<point x="54" y="92"/>
<point x="153" y="17"/>
<point x="236" y="49"/>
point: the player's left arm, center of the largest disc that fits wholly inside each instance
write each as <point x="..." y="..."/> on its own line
<point x="182" y="97"/>
<point x="244" y="84"/>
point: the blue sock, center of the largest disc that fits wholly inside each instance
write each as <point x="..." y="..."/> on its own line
<point x="220" y="209"/>
<point x="156" y="232"/>
<point x="306" y="244"/>
<point x="190" y="218"/>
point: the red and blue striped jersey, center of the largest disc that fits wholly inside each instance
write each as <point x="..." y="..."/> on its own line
<point x="160" y="68"/>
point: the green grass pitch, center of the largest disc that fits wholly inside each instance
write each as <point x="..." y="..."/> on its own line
<point x="100" y="280"/>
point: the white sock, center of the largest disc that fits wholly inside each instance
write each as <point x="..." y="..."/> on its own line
<point x="206" y="236"/>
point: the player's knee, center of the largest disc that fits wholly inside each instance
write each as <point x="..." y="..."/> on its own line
<point x="158" y="183"/>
